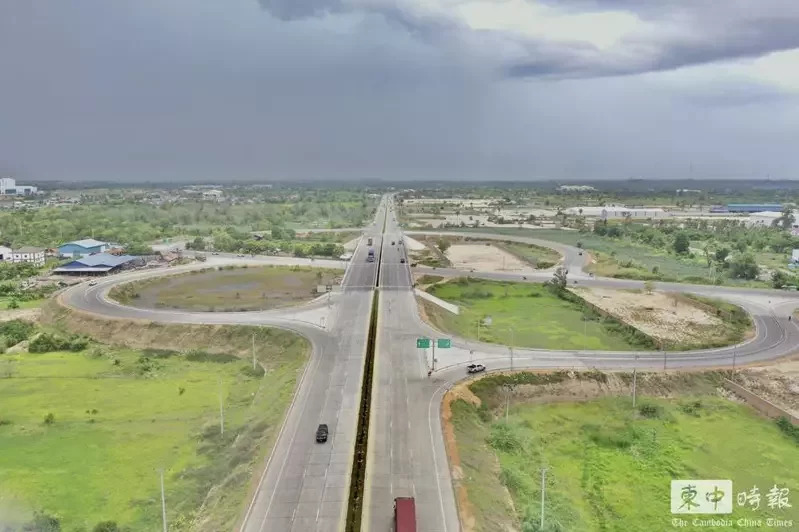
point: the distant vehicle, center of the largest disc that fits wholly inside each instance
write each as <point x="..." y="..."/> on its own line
<point x="369" y="241"/>
<point x="580" y="253"/>
<point x="321" y="433"/>
<point x="92" y="283"/>
<point x="370" y="255"/>
<point x="475" y="368"/>
<point x="215" y="253"/>
<point x="402" y="260"/>
<point x="392" y="242"/>
<point x="240" y="255"/>
<point x="404" y="514"/>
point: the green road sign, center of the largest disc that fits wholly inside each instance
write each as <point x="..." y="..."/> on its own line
<point x="422" y="343"/>
<point x="444" y="343"/>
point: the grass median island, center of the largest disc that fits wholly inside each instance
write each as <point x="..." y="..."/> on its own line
<point x="537" y="256"/>
<point x="537" y="317"/>
<point x="226" y="288"/>
<point x="84" y="433"/>
<point x="609" y="466"/>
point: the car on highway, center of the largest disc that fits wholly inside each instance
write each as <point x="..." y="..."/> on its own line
<point x="580" y="253"/>
<point x="240" y="255"/>
<point x="92" y="283"/>
<point x="215" y="253"/>
<point x="402" y="260"/>
<point x="321" y="433"/>
<point x="475" y="368"/>
<point x="393" y="242"/>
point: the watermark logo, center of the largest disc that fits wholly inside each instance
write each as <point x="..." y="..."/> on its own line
<point x="701" y="496"/>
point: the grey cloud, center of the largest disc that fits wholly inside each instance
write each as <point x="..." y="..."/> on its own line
<point x="298" y="9"/>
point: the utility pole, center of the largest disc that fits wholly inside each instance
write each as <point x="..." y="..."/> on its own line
<point x="221" y="410"/>
<point x="543" y="493"/>
<point x="585" y="333"/>
<point x="163" y="500"/>
<point x="635" y="378"/>
<point x="734" y="352"/>
<point x="478" y="329"/>
<point x="507" y="403"/>
<point x="253" y="351"/>
<point x="433" y="342"/>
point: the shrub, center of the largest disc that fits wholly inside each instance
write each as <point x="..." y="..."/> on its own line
<point x="106" y="526"/>
<point x="788" y="428"/>
<point x="47" y="342"/>
<point x="16" y="331"/>
<point x="42" y="522"/>
<point x="49" y="419"/>
<point x="692" y="408"/>
<point x="505" y="438"/>
<point x="650" y="410"/>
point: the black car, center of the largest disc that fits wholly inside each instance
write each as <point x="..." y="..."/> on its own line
<point x="392" y="242"/>
<point x="321" y="433"/>
<point x="402" y="260"/>
<point x="475" y="368"/>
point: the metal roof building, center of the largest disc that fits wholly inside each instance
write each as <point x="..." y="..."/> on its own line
<point x="82" y="247"/>
<point x="98" y="263"/>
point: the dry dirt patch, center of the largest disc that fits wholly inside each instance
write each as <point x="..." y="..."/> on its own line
<point x="777" y="382"/>
<point x="486" y="258"/>
<point x="660" y="315"/>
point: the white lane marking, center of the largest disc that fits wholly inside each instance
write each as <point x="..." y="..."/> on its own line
<point x="435" y="455"/>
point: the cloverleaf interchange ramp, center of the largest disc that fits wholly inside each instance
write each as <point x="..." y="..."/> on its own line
<point x="306" y="486"/>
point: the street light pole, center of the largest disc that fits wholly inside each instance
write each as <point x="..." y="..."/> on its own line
<point x="253" y="351"/>
<point x="221" y="410"/>
<point x="543" y="493"/>
<point x="635" y="378"/>
<point x="163" y="500"/>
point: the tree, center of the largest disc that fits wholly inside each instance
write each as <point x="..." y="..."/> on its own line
<point x="744" y="266"/>
<point x="138" y="248"/>
<point x="681" y="243"/>
<point x="786" y="218"/>
<point x="443" y="245"/>
<point x="779" y="278"/>
<point x="198" y="244"/>
<point x="106" y="526"/>
<point x="721" y="255"/>
<point x="559" y="279"/>
<point x="649" y="286"/>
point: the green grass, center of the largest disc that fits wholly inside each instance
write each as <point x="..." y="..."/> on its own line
<point x="536" y="316"/>
<point x="226" y="288"/>
<point x="608" y="467"/>
<point x="116" y="424"/>
<point x="34" y="303"/>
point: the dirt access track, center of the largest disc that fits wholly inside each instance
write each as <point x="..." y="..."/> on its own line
<point x="662" y="316"/>
<point x="485" y="258"/>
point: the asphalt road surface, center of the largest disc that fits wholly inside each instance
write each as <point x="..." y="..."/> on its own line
<point x="305" y="485"/>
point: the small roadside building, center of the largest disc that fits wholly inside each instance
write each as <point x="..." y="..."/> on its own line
<point x="99" y="264"/>
<point x="80" y="248"/>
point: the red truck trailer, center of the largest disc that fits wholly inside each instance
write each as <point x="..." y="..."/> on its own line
<point x="404" y="514"/>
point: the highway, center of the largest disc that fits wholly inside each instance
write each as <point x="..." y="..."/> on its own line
<point x="304" y="485"/>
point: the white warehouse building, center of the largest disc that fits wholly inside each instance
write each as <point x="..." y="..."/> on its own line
<point x="617" y="212"/>
<point x="8" y="186"/>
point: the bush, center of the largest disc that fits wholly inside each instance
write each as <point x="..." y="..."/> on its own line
<point x="16" y="331"/>
<point x="505" y="438"/>
<point x="106" y="526"/>
<point x="650" y="410"/>
<point x="47" y="342"/>
<point x="788" y="428"/>
<point x="42" y="522"/>
<point x="691" y="408"/>
<point x="49" y="419"/>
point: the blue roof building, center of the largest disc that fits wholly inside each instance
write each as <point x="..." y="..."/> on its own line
<point x="78" y="248"/>
<point x="99" y="263"/>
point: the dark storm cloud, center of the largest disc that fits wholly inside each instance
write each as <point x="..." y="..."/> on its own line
<point x="158" y="91"/>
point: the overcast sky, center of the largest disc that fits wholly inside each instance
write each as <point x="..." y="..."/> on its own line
<point x="164" y="90"/>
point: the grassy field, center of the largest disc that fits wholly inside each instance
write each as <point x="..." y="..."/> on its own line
<point x="120" y="414"/>
<point x="609" y="466"/>
<point x="226" y="289"/>
<point x="622" y="259"/>
<point x="35" y="303"/>
<point x="536" y="316"/>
